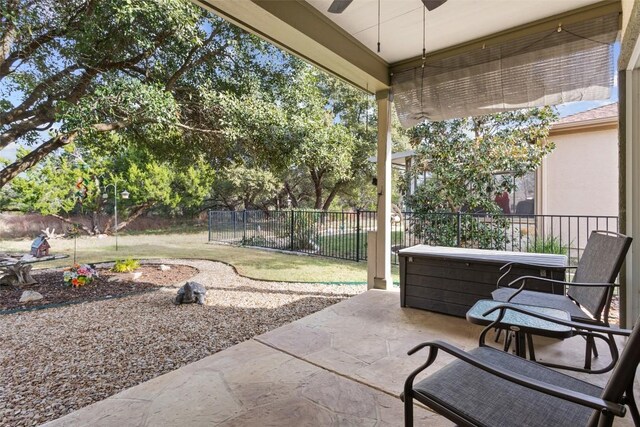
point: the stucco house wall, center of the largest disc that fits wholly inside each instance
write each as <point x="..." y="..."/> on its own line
<point x="580" y="177"/>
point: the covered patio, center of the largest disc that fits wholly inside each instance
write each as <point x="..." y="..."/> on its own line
<point x="344" y="365"/>
<point x="465" y="58"/>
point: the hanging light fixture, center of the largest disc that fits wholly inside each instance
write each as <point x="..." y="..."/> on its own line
<point x="424" y="35"/>
<point x="378" y="26"/>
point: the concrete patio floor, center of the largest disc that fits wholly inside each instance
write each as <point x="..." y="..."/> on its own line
<point x="344" y="365"/>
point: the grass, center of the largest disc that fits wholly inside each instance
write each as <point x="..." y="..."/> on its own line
<point x="254" y="263"/>
<point x="550" y="245"/>
<point x="346" y="243"/>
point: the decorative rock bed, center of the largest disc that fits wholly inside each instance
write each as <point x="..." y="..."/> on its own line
<point x="57" y="360"/>
<point x="107" y="285"/>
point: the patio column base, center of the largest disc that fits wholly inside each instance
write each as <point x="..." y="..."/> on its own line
<point x="380" y="283"/>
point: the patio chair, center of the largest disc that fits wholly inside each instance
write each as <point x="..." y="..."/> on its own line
<point x="588" y="296"/>
<point x="488" y="387"/>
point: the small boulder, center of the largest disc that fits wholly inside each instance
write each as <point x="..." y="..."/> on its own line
<point x="164" y="267"/>
<point x="30" y="296"/>
<point x="136" y="275"/>
<point x="113" y="279"/>
<point x="191" y="292"/>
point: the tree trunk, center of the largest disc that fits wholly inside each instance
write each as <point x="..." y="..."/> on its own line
<point x="135" y="213"/>
<point x="332" y="195"/>
<point x="292" y="196"/>
<point x="68" y="221"/>
<point x="95" y="221"/>
<point x="317" y="187"/>
<point x="107" y="225"/>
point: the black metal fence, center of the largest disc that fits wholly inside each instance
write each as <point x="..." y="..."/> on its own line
<point x="343" y="235"/>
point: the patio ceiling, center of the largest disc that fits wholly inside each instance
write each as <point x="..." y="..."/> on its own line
<point x="454" y="23"/>
<point x="482" y="56"/>
<point x="345" y="44"/>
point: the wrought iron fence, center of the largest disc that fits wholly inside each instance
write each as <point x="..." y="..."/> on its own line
<point x="343" y="235"/>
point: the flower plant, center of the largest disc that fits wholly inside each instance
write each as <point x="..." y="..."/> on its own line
<point x="79" y="275"/>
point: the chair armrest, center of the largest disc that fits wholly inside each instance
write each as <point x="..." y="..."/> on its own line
<point x="562" y="282"/>
<point x="524" y="279"/>
<point x="570" y="323"/>
<point x="511" y="264"/>
<point x="531" y="383"/>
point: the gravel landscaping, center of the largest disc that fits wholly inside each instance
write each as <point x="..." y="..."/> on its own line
<point x="57" y="360"/>
<point x="107" y="285"/>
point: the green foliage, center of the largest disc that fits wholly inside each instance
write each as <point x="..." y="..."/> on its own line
<point x="313" y="134"/>
<point x="126" y="265"/>
<point x="175" y="88"/>
<point x="50" y="187"/>
<point x="147" y="70"/>
<point x="550" y="245"/>
<point x="464" y="158"/>
<point x="305" y="230"/>
<point x="442" y="229"/>
<point x="241" y="187"/>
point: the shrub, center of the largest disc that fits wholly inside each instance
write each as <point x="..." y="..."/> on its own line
<point x="126" y="265"/>
<point x="550" y="245"/>
<point x="305" y="230"/>
<point x="475" y="230"/>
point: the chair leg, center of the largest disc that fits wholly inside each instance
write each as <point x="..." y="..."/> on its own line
<point x="631" y="403"/>
<point x="498" y="333"/>
<point x="408" y="410"/>
<point x="507" y="341"/>
<point x="532" y="352"/>
<point x="589" y="350"/>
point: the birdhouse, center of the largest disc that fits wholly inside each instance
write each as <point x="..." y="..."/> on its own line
<point x="40" y="247"/>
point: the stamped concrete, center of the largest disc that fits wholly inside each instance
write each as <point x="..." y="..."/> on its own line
<point x="366" y="338"/>
<point x="250" y="384"/>
<point x="344" y="365"/>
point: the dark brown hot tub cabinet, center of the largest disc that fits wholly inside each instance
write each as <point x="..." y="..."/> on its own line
<point x="451" y="280"/>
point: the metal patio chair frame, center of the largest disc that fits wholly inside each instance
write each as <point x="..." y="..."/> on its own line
<point x="592" y="289"/>
<point x="524" y="383"/>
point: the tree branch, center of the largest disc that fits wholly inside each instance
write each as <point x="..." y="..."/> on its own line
<point x="22" y="111"/>
<point x="42" y="39"/>
<point x="31" y="159"/>
<point x="189" y="63"/>
<point x="68" y="221"/>
<point x="135" y="213"/>
<point x="183" y="126"/>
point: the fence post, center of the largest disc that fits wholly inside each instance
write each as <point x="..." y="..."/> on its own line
<point x="244" y="226"/>
<point x="209" y="224"/>
<point x="458" y="237"/>
<point x="291" y="231"/>
<point x="358" y="235"/>
<point x="235" y="219"/>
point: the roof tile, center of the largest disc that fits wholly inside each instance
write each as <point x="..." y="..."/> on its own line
<point x="609" y="110"/>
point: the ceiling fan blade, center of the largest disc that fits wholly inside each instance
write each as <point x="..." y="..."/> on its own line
<point x="338" y="6"/>
<point x="432" y="4"/>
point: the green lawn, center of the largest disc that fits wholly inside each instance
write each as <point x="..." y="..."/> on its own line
<point x="255" y="263"/>
<point x="344" y="245"/>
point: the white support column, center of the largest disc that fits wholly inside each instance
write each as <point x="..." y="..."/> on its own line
<point x="632" y="119"/>
<point x="383" y="278"/>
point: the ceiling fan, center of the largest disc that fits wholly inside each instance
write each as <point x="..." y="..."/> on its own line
<point x="338" y="6"/>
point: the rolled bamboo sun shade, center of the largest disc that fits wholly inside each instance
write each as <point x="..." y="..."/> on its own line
<point x="570" y="63"/>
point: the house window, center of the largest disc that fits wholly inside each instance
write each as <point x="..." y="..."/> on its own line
<point x="521" y="200"/>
